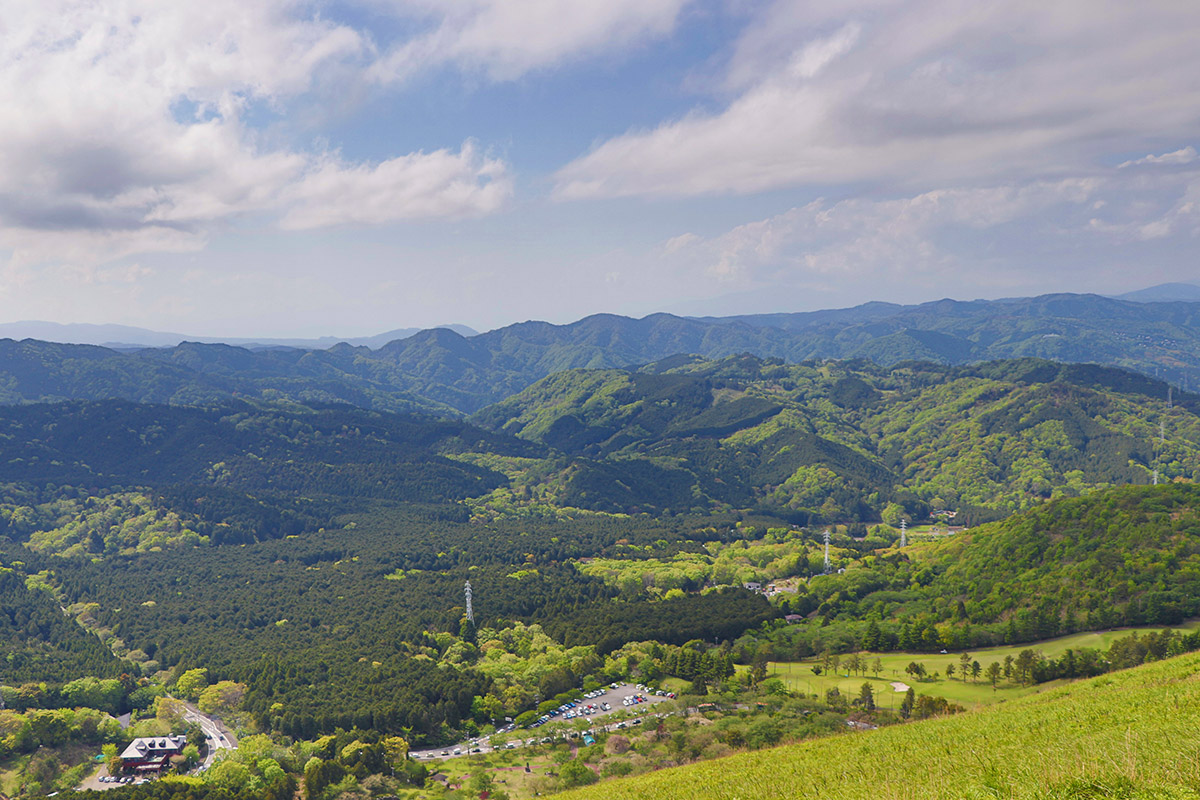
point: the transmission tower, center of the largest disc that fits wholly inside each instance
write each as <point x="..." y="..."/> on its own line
<point x="470" y="611"/>
<point x="1159" y="448"/>
<point x="903" y="532"/>
<point x="827" y="567"/>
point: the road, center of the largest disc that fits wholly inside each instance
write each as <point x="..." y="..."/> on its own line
<point x="219" y="738"/>
<point x="532" y="736"/>
<point x="217" y="735"/>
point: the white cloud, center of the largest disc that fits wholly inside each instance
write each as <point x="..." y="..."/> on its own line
<point x="504" y="39"/>
<point x="422" y="185"/>
<point x="125" y="129"/>
<point x="948" y="240"/>
<point x="919" y="93"/>
<point x="1185" y="155"/>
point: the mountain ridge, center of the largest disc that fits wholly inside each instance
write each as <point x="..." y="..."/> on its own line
<point x="442" y="370"/>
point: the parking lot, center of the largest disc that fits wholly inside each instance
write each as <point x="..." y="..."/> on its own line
<point x="594" y="706"/>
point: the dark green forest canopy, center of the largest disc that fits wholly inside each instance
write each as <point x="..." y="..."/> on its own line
<point x="329" y="621"/>
<point x="40" y="643"/>
<point x="238" y="473"/>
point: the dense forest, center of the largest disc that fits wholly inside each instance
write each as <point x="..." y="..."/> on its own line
<point x="345" y="618"/>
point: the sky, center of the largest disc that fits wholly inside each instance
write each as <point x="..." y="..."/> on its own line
<point x="295" y="168"/>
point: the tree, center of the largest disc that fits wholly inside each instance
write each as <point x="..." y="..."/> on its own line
<point x="191" y="683"/>
<point x="1023" y="667"/>
<point x="112" y="758"/>
<point x="758" y="669"/>
<point x="950" y="671"/>
<point x="223" y="696"/>
<point x="576" y="773"/>
<point x="976" y="668"/>
<point x="170" y="711"/>
<point x="993" y="674"/>
<point x="481" y="782"/>
<point x="873" y="638"/>
<point x="396" y="750"/>
<point x="866" y="697"/>
<point x="906" y="705"/>
<point x="964" y="666"/>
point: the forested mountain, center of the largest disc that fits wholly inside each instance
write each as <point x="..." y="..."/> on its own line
<point x="443" y="371"/>
<point x="200" y="374"/>
<point x="815" y="442"/>
<point x="234" y="473"/>
<point x="835" y="441"/>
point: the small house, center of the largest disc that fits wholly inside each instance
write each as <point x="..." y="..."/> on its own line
<point x="152" y="753"/>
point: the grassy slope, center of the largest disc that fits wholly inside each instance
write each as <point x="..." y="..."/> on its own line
<point x="798" y="675"/>
<point x="1129" y="734"/>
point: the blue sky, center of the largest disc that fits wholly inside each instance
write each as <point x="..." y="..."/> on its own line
<point x="293" y="168"/>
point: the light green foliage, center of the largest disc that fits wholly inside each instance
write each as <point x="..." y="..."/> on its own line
<point x="124" y="522"/>
<point x="192" y="682"/>
<point x="781" y="553"/>
<point x="519" y="660"/>
<point x="222" y="697"/>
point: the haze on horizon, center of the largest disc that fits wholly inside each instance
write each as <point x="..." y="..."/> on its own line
<point x="284" y="168"/>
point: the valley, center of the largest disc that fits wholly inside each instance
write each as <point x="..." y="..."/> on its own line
<point x="787" y="548"/>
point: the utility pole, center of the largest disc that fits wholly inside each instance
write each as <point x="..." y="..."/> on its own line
<point x="827" y="568"/>
<point x="903" y="532"/>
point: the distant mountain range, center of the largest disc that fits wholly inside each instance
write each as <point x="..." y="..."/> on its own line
<point x="444" y="371"/>
<point x="127" y="337"/>
<point x="1164" y="293"/>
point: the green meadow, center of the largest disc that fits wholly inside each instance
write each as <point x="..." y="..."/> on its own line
<point x="1132" y="734"/>
<point x="798" y="676"/>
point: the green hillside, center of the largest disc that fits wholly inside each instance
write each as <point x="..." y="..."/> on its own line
<point x="827" y="442"/>
<point x="1126" y="556"/>
<point x="1129" y="734"/>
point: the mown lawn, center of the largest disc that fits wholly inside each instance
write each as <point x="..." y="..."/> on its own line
<point x="798" y="675"/>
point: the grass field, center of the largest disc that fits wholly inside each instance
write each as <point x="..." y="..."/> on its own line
<point x="798" y="675"/>
<point x="1133" y="734"/>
